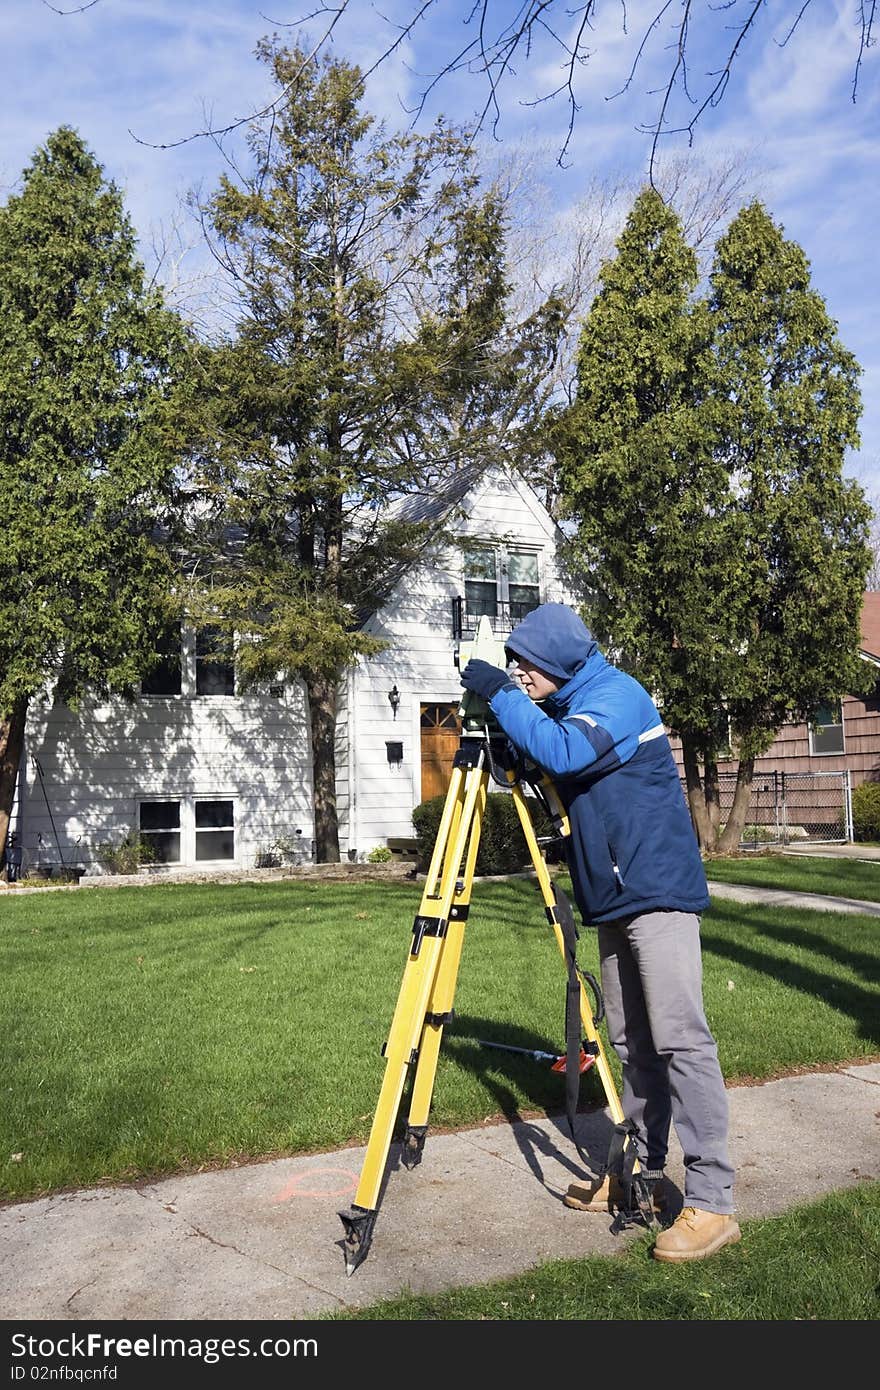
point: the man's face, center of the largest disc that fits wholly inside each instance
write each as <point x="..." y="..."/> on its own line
<point x="535" y="682"/>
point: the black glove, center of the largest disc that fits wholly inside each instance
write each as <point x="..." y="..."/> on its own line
<point x="485" y="679"/>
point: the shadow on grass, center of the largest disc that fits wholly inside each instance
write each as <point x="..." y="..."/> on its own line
<point x="860" y="1003"/>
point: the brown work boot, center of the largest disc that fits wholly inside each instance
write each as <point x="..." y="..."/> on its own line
<point x="604" y="1194"/>
<point x="694" y="1234"/>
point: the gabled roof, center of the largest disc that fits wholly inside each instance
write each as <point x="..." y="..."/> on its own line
<point x="438" y="502"/>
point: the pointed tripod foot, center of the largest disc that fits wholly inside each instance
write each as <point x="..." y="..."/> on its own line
<point x="358" y="1223"/>
<point x="640" y="1211"/>
<point x="644" y="1199"/>
<point x="413" y="1144"/>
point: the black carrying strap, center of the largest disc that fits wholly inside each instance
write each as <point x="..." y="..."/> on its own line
<point x="622" y="1155"/>
<point x="622" y="1151"/>
<point x="565" y="918"/>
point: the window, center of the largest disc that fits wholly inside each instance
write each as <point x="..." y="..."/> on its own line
<point x="215" y="669"/>
<point x="440" y="717"/>
<point x="481" y="582"/>
<point x="159" y="827"/>
<point x="522" y="583"/>
<point x="215" y="830"/>
<point x="826" y="730"/>
<point x="499" y="581"/>
<point x="164" y="678"/>
<point x="871" y="701"/>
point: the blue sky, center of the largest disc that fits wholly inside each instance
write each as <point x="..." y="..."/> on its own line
<point x="134" y="74"/>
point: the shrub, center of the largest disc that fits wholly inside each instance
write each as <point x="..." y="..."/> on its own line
<point x="765" y="834"/>
<point x="127" y="856"/>
<point x="866" y="811"/>
<point x="289" y="848"/>
<point x="380" y="854"/>
<point x="284" y="849"/>
<point x="503" y="849"/>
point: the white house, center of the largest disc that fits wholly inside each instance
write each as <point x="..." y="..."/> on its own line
<point x="216" y="780"/>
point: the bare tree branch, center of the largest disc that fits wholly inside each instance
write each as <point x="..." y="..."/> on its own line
<point x="722" y="76"/>
<point x="272" y="108"/>
<point x="866" y="38"/>
<point x="79" y="9"/>
<point x="501" y="39"/>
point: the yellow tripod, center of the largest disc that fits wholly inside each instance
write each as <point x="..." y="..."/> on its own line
<point x="426" y="996"/>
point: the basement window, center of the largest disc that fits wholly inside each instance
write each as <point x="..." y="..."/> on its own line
<point x="159" y="827"/>
<point x="215" y="830"/>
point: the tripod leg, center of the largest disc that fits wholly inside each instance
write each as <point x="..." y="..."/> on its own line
<point x="430" y="928"/>
<point x="622" y="1146"/>
<point x="443" y="994"/>
<point x="548" y="893"/>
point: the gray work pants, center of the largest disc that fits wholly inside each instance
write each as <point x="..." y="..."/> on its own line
<point x="652" y="980"/>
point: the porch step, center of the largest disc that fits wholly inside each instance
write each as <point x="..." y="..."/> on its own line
<point x="403" y="848"/>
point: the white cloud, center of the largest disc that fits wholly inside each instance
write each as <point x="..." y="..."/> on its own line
<point x="157" y="67"/>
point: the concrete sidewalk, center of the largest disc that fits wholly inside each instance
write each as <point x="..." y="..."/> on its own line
<point x="264" y="1241"/>
<point x="783" y="897"/>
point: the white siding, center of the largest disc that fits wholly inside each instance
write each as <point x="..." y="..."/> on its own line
<point x="343" y="752"/>
<point x="417" y="622"/>
<point x="86" y="773"/>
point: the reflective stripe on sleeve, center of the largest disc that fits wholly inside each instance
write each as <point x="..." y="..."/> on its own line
<point x="657" y="732"/>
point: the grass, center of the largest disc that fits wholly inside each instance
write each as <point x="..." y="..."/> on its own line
<point x="842" y="878"/>
<point x="148" y="1030"/>
<point x="817" y="1261"/>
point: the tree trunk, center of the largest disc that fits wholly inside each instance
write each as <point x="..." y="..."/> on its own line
<point x="732" y="833"/>
<point x="11" y="745"/>
<point x="322" y="715"/>
<point x="696" y="794"/>
<point x="713" y="798"/>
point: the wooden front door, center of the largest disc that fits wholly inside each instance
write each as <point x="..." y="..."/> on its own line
<point x="441" y="733"/>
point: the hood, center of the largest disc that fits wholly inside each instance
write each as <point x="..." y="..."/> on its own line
<point x="554" y="638"/>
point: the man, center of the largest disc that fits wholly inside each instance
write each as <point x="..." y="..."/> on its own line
<point x="638" y="878"/>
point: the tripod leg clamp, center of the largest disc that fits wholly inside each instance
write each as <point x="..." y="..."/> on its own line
<point x="426" y="926"/>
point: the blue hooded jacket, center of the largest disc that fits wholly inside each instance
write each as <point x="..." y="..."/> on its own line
<point x="602" y="741"/>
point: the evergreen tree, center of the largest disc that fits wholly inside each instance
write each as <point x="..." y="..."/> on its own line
<point x="482" y="378"/>
<point x="89" y="360"/>
<point x="791" y="407"/>
<point x="369" y="356"/>
<point x="701" y="463"/>
<point x="641" y="485"/>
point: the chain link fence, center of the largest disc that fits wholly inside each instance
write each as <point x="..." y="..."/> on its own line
<point x="793" y="807"/>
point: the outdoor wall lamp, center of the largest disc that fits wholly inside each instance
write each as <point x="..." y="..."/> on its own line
<point x="394" y="699"/>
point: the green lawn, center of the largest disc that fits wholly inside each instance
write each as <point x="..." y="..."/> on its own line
<point x="842" y="878"/>
<point x="817" y="1261"/>
<point x="152" y="1029"/>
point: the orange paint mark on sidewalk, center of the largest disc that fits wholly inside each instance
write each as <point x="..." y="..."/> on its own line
<point x="319" y="1182"/>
